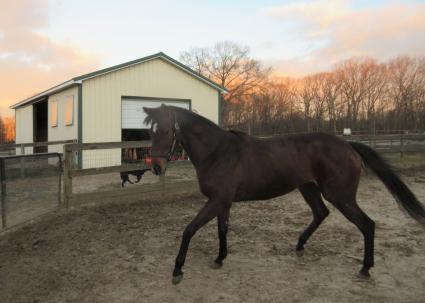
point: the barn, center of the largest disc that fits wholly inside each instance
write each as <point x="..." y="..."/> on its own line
<point x="106" y="105"/>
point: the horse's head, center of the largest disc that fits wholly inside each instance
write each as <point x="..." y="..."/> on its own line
<point x="163" y="135"/>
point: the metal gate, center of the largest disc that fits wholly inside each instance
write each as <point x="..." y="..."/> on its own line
<point x="30" y="187"/>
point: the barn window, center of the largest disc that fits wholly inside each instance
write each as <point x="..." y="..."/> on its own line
<point x="53" y="113"/>
<point x="69" y="110"/>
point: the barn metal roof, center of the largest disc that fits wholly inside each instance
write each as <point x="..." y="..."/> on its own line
<point x="78" y="80"/>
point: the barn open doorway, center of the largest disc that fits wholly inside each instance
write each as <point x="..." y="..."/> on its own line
<point x="40" y="125"/>
<point x="134" y="154"/>
<point x="133" y="126"/>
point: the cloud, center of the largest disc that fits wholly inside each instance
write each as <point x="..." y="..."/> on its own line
<point x="341" y="31"/>
<point x="322" y="12"/>
<point x="29" y="61"/>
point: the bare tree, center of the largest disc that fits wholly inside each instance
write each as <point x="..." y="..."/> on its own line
<point x="331" y="92"/>
<point x="230" y="65"/>
<point x="406" y="84"/>
<point x="353" y="77"/>
<point x="360" y="93"/>
<point x="375" y="89"/>
<point x="196" y="58"/>
<point x="307" y="92"/>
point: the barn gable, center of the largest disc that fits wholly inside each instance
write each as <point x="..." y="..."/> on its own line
<point x="97" y="107"/>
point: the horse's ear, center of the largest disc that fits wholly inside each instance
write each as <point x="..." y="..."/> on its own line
<point x="149" y="114"/>
<point x="147" y="110"/>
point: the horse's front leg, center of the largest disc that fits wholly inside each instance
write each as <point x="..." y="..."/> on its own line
<point x="210" y="210"/>
<point x="223" y="227"/>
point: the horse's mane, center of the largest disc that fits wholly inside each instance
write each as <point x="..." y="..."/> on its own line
<point x="241" y="135"/>
<point x="184" y="116"/>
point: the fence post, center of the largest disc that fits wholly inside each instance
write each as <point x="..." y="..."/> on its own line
<point x="401" y="146"/>
<point x="60" y="180"/>
<point x="67" y="179"/>
<point x="3" y="195"/>
<point x="22" y="161"/>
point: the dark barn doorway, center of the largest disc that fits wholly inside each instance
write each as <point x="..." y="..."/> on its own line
<point x="40" y="125"/>
<point x="134" y="154"/>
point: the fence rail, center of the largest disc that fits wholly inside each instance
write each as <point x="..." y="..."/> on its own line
<point x="71" y="170"/>
<point x="392" y="144"/>
<point x="12" y="148"/>
<point x="35" y="144"/>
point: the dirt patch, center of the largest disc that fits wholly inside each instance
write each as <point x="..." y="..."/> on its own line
<point x="124" y="252"/>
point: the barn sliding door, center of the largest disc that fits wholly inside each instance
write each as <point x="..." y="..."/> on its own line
<point x="133" y="114"/>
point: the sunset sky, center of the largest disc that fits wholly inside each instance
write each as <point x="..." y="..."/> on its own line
<point x="43" y="43"/>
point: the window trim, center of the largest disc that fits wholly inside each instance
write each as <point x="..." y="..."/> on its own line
<point x="69" y="99"/>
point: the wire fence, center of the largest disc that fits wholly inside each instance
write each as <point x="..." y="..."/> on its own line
<point x="30" y="187"/>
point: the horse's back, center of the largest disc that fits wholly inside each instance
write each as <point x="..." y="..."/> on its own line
<point x="275" y="166"/>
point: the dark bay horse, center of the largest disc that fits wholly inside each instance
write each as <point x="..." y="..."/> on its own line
<point x="232" y="166"/>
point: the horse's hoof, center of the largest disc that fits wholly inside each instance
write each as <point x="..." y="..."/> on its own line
<point x="299" y="253"/>
<point x="215" y="265"/>
<point x="177" y="279"/>
<point x="363" y="275"/>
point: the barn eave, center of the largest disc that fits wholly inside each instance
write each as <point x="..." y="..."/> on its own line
<point x="78" y="80"/>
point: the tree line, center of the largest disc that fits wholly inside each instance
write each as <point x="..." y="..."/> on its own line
<point x="7" y="130"/>
<point x="362" y="94"/>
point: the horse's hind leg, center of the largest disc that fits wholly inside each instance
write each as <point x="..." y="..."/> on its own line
<point x="313" y="198"/>
<point x="366" y="225"/>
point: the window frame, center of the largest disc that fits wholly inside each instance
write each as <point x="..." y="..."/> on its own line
<point x="68" y="100"/>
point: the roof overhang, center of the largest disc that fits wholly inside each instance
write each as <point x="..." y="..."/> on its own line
<point x="46" y="93"/>
<point x="80" y="79"/>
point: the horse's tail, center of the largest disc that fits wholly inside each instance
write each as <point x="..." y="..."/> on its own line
<point x="403" y="195"/>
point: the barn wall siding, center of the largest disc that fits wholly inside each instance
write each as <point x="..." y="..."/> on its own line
<point x="156" y="78"/>
<point x="62" y="131"/>
<point x="24" y="127"/>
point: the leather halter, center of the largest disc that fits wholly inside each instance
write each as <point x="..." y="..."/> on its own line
<point x="172" y="146"/>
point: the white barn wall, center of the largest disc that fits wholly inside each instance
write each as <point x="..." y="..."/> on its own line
<point x="62" y="131"/>
<point x="24" y="127"/>
<point x="156" y="78"/>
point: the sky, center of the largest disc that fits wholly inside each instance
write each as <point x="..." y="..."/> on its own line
<point x="45" y="42"/>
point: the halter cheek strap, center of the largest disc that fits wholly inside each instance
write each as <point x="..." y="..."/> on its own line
<point x="173" y="145"/>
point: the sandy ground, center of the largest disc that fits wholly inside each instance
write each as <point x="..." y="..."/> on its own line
<point x="124" y="252"/>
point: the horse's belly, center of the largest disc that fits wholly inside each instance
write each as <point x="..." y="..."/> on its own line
<point x="262" y="191"/>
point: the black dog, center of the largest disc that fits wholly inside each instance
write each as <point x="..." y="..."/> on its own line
<point x="138" y="173"/>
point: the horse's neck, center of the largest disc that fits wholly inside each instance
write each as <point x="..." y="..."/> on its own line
<point x="200" y="145"/>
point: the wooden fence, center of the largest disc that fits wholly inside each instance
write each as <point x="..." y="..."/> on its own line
<point x="382" y="143"/>
<point x="11" y="148"/>
<point x="401" y="144"/>
<point x="71" y="170"/>
<point x="398" y="144"/>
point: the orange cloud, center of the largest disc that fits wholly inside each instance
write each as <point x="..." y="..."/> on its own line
<point x="341" y="31"/>
<point x="31" y="62"/>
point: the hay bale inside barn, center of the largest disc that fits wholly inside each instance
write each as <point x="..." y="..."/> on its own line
<point x="106" y="105"/>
